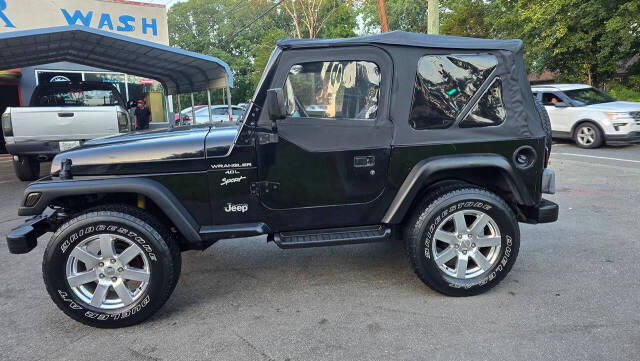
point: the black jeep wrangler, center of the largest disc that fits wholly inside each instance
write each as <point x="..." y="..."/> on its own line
<point x="434" y="140"/>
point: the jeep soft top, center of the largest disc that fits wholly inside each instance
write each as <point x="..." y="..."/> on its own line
<point x="432" y="140"/>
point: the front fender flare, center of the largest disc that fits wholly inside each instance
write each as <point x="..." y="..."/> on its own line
<point x="423" y="172"/>
<point x="151" y="189"/>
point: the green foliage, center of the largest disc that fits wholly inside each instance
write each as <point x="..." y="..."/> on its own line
<point x="207" y="27"/>
<point x="341" y="22"/>
<point x="407" y="15"/>
<point x="211" y="27"/>
<point x="622" y="92"/>
<point x="466" y="18"/>
<point x="582" y="40"/>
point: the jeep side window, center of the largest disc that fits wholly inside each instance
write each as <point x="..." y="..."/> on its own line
<point x="489" y="110"/>
<point x="333" y="89"/>
<point x="444" y="85"/>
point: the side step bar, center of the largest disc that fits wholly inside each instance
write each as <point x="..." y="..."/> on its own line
<point x="332" y="237"/>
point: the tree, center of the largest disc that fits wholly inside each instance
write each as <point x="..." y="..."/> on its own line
<point x="309" y="17"/>
<point x="466" y="18"/>
<point x="206" y="26"/>
<point x="407" y="15"/>
<point x="582" y="40"/>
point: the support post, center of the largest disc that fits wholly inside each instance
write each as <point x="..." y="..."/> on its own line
<point x="179" y="111"/>
<point x="126" y="86"/>
<point x="229" y="100"/>
<point x="193" y="110"/>
<point x="166" y="110"/>
<point x="209" y="105"/>
<point x="433" y="17"/>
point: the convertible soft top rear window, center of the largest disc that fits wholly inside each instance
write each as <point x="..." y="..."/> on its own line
<point x="444" y="85"/>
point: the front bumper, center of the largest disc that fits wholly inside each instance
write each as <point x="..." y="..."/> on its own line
<point x="633" y="137"/>
<point x="23" y="238"/>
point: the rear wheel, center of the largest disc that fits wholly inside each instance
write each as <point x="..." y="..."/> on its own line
<point x="546" y="124"/>
<point x="111" y="267"/>
<point x="26" y="168"/>
<point x="462" y="242"/>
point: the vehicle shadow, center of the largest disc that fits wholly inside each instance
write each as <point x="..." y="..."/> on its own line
<point x="250" y="269"/>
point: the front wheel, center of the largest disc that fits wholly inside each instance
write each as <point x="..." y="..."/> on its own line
<point x="588" y="135"/>
<point x="111" y="267"/>
<point x="462" y="242"/>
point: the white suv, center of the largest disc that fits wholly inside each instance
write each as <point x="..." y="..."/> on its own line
<point x="588" y="116"/>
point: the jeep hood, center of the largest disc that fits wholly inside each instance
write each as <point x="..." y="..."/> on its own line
<point x="158" y="151"/>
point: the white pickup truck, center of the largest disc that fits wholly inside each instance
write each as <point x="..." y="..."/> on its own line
<point x="59" y="117"/>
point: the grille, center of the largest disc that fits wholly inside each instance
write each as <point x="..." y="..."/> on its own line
<point x="635" y="116"/>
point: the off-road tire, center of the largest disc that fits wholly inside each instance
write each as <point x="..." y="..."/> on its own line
<point x="599" y="137"/>
<point x="26" y="168"/>
<point x="433" y="210"/>
<point x="546" y="124"/>
<point x="146" y="231"/>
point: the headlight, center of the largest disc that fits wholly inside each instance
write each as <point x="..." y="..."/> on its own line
<point x="617" y="116"/>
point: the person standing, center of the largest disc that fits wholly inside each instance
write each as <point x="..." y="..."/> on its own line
<point x="142" y="116"/>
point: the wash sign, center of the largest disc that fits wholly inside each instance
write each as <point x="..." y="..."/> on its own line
<point x="125" y="23"/>
<point x="139" y="20"/>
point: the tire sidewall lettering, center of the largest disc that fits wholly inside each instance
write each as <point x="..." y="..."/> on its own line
<point x="71" y="240"/>
<point x="78" y="233"/>
<point x="505" y="252"/>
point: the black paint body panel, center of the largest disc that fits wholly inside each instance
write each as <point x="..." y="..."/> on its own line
<point x="304" y="173"/>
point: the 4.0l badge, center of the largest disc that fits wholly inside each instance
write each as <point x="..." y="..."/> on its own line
<point x="243" y="207"/>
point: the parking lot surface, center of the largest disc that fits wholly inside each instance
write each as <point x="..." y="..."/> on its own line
<point x="572" y="295"/>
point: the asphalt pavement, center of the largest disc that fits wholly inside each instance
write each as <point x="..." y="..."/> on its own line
<point x="572" y="295"/>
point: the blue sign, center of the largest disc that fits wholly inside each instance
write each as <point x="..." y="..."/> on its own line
<point x="125" y="23"/>
<point x="4" y="18"/>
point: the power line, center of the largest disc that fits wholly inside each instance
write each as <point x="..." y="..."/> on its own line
<point x="252" y="22"/>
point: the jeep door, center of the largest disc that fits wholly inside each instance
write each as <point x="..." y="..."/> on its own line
<point x="332" y="149"/>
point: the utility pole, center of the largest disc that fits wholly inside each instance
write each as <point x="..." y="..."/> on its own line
<point x="382" y="12"/>
<point x="433" y="17"/>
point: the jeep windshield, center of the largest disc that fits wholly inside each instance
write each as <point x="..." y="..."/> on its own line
<point x="589" y="96"/>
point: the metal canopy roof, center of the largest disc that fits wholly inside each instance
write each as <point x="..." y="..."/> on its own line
<point x="178" y="70"/>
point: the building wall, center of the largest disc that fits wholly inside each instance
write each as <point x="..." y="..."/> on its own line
<point x="139" y="20"/>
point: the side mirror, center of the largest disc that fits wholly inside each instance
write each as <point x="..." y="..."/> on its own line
<point x="561" y="105"/>
<point x="131" y="104"/>
<point x="276" y="104"/>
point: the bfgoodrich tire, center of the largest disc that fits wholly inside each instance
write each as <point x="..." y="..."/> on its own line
<point x="111" y="267"/>
<point x="462" y="242"/>
<point x="26" y="168"/>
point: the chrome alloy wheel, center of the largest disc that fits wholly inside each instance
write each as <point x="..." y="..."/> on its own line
<point x="108" y="271"/>
<point x="466" y="244"/>
<point x="586" y="135"/>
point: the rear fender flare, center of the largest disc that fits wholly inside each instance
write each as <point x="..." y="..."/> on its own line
<point x="151" y="189"/>
<point x="422" y="175"/>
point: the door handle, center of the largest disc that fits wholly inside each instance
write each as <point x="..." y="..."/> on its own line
<point x="364" y="161"/>
<point x="65" y="115"/>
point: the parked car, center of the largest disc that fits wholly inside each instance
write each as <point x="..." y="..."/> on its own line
<point x="220" y="113"/>
<point x="186" y="115"/>
<point x="61" y="116"/>
<point x="589" y="116"/>
<point x="433" y="140"/>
